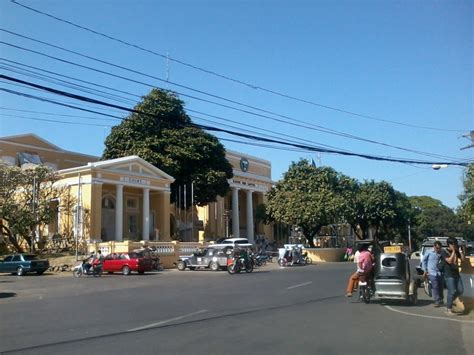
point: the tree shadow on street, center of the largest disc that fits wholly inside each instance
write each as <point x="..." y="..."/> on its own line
<point x="7" y="294"/>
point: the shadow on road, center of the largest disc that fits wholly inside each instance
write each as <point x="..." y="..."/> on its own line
<point x="420" y="303"/>
<point x="7" y="294"/>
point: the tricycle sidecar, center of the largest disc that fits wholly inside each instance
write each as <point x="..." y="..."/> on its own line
<point x="393" y="280"/>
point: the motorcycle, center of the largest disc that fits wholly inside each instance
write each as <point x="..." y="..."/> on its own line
<point x="238" y="263"/>
<point x="82" y="269"/>
<point x="261" y="258"/>
<point x="365" y="289"/>
<point x="292" y="257"/>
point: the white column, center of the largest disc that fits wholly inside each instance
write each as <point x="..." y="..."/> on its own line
<point x="235" y="213"/>
<point x="249" y="217"/>
<point x="146" y="214"/>
<point x="119" y="213"/>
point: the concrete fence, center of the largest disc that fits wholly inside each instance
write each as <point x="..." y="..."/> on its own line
<point x="167" y="251"/>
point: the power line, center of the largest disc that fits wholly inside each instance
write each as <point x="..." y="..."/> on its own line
<point x="303" y="125"/>
<point x="55" y="102"/>
<point x="65" y="83"/>
<point x="70" y="77"/>
<point x="58" y="114"/>
<point x="241" y="82"/>
<point x="55" y="121"/>
<point x="292" y="138"/>
<point x="215" y="129"/>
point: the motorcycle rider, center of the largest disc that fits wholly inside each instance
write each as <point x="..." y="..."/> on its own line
<point x="89" y="262"/>
<point x="98" y="261"/>
<point x="365" y="267"/>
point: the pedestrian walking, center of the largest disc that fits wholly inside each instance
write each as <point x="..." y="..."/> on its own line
<point x="449" y="266"/>
<point x="432" y="273"/>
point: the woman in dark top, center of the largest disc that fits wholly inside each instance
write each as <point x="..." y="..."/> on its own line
<point x="450" y="269"/>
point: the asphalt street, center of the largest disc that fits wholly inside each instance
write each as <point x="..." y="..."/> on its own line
<point x="298" y="310"/>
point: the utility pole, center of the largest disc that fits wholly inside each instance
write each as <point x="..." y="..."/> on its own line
<point x="185" y="213"/>
<point x="470" y="136"/>
<point x="33" y="207"/>
<point x="78" y="214"/>
<point x="192" y="211"/>
<point x="409" y="235"/>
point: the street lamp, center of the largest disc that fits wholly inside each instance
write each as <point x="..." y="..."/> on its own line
<point x="439" y="166"/>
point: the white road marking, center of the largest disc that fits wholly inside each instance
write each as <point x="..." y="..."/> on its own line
<point x="432" y="317"/>
<point x="300" y="285"/>
<point x="167" y="321"/>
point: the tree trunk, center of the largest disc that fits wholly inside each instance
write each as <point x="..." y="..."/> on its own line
<point x="11" y="238"/>
<point x="311" y="241"/>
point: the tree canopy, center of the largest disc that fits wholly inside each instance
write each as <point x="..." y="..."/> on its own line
<point x="467" y="196"/>
<point x="162" y="135"/>
<point x="25" y="202"/>
<point x="432" y="218"/>
<point x="313" y="197"/>
<point x="309" y="197"/>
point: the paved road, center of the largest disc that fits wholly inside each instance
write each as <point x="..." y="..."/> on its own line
<point x="299" y="310"/>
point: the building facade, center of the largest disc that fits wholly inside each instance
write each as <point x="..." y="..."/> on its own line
<point x="129" y="199"/>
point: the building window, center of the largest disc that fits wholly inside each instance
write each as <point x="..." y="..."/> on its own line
<point x="132" y="203"/>
<point x="108" y="203"/>
<point x="28" y="159"/>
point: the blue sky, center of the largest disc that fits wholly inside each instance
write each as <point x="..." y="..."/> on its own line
<point x="403" y="63"/>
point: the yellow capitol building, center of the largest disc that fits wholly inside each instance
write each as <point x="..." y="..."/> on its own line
<point x="129" y="199"/>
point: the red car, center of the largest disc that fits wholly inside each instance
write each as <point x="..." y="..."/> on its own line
<point x="127" y="262"/>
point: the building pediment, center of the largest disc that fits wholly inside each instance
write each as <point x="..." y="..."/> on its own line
<point x="131" y="165"/>
<point x="31" y="140"/>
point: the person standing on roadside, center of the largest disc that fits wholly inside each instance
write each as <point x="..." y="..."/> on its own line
<point x="450" y="259"/>
<point x="433" y="274"/>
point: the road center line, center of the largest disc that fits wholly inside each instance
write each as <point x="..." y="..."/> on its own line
<point x="300" y="285"/>
<point x="167" y="321"/>
<point x="432" y="317"/>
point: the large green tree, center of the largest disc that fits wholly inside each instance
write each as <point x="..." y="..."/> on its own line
<point x="376" y="205"/>
<point x="25" y="202"/>
<point x="309" y="197"/>
<point x="433" y="218"/>
<point x="163" y="135"/>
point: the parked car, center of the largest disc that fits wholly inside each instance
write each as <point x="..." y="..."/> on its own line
<point x="225" y="242"/>
<point x="127" y="262"/>
<point x="21" y="264"/>
<point x="210" y="258"/>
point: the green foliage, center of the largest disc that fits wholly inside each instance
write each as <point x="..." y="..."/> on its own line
<point x="433" y="219"/>
<point x="25" y="197"/>
<point x="164" y="138"/>
<point x="467" y="196"/>
<point x="312" y="197"/>
<point x="379" y="206"/>
<point x="309" y="197"/>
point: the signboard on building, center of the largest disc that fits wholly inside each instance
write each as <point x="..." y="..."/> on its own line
<point x="135" y="180"/>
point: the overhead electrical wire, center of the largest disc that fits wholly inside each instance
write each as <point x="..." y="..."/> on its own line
<point x="70" y="85"/>
<point x="297" y="139"/>
<point x="215" y="129"/>
<point x="58" y="114"/>
<point x="56" y="121"/>
<point x="304" y="125"/>
<point x="238" y="81"/>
